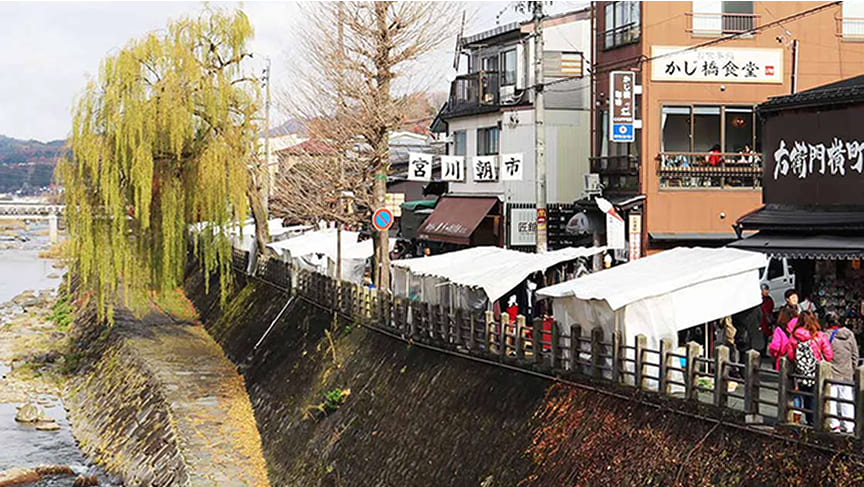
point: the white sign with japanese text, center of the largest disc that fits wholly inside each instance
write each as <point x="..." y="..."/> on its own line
<point x="452" y="168"/>
<point x="511" y="167"/>
<point x="419" y="166"/>
<point x="485" y="169"/>
<point x="523" y="227"/>
<point x="717" y="64"/>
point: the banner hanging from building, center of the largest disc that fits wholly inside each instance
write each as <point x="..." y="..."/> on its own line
<point x="419" y="166"/>
<point x="717" y="64"/>
<point x="511" y="167"/>
<point x="485" y="169"/>
<point x="453" y="168"/>
<point x="634" y="238"/>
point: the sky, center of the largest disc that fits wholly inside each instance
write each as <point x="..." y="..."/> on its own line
<point x="50" y="50"/>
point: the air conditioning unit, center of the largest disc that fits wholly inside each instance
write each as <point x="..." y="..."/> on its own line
<point x="507" y="94"/>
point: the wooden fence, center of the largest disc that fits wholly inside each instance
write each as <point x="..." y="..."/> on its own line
<point x="576" y="353"/>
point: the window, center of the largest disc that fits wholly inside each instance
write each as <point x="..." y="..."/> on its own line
<point x="775" y="269"/>
<point x="508" y="67"/>
<point x="459" y="148"/>
<point x="718" y="144"/>
<point x="622" y="24"/>
<point x="852" y="23"/>
<point x="487" y="141"/>
<point x="716" y="18"/>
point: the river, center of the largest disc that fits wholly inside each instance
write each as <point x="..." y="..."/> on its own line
<point x="22" y="269"/>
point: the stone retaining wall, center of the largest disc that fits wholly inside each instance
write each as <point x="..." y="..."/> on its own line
<point x="162" y="406"/>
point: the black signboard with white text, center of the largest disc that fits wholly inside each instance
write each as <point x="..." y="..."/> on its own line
<point x="814" y="157"/>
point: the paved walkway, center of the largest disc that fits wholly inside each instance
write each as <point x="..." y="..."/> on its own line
<point x="206" y="401"/>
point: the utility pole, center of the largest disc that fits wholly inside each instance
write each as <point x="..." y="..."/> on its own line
<point x="266" y="175"/>
<point x="539" y="128"/>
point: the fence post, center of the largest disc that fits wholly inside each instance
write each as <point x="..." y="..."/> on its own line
<point x="641" y="345"/>
<point x="554" y="353"/>
<point x="616" y="357"/>
<point x="859" y="402"/>
<point x="663" y="385"/>
<point x="472" y="324"/>
<point x="721" y="357"/>
<point x="690" y="375"/>
<point x="751" y="385"/>
<point x="820" y="390"/>
<point x="502" y="336"/>
<point x="575" y="334"/>
<point x="489" y="330"/>
<point x="783" y="391"/>
<point x="458" y="322"/>
<point x="518" y="342"/>
<point x="596" y="351"/>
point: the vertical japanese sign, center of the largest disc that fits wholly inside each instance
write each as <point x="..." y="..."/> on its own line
<point x="511" y="167"/>
<point x="419" y="166"/>
<point x="485" y="169"/>
<point x="634" y="237"/>
<point x="614" y="225"/>
<point x="622" y="96"/>
<point x="452" y="168"/>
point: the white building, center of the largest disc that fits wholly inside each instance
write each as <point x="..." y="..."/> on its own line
<point x="490" y="109"/>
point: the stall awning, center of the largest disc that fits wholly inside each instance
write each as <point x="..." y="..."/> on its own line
<point x="455" y="218"/>
<point x="493" y="269"/>
<point x="797" y="246"/>
<point x="659" y="295"/>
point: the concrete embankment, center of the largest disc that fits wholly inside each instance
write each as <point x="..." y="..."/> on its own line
<point x="420" y="417"/>
<point x="162" y="406"/>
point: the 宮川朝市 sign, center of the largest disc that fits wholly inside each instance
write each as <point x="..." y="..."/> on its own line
<point x="717" y="64"/>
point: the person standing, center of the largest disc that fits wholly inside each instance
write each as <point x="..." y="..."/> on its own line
<point x="811" y="348"/>
<point x="843" y="365"/>
<point x="791" y="304"/>
<point x="766" y="312"/>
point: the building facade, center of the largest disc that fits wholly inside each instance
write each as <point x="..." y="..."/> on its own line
<point x="490" y="111"/>
<point x="702" y="67"/>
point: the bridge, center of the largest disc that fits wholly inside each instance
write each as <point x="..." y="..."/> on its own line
<point x="33" y="210"/>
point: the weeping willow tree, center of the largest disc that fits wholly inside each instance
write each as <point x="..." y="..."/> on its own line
<point x="163" y="141"/>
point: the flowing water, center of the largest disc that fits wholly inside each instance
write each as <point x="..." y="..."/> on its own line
<point x="22" y="446"/>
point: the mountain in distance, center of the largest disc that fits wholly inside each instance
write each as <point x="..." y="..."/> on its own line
<point x="27" y="166"/>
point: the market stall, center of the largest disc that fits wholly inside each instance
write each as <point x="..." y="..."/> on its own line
<point x="476" y="277"/>
<point x="317" y="251"/>
<point x="659" y="295"/>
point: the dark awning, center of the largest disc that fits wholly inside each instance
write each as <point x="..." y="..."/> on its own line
<point x="804" y="246"/>
<point x="455" y="219"/>
<point x="808" y="220"/>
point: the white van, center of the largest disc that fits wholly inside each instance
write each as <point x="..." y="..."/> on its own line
<point x="779" y="277"/>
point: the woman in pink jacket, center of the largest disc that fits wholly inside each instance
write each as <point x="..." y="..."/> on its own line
<point x="781" y="341"/>
<point x="810" y="333"/>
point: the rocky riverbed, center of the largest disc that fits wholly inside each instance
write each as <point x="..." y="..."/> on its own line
<point x="38" y="446"/>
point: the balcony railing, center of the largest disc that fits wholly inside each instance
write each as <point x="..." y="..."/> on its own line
<point x="721" y="23"/>
<point x="850" y="28"/>
<point x="620" y="164"/>
<point x="720" y="170"/>
<point x="474" y="90"/>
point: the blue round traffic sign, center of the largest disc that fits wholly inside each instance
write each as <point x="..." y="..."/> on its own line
<point x="382" y="219"/>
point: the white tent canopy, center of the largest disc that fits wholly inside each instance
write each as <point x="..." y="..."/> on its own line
<point x="317" y="251"/>
<point x="658" y="296"/>
<point x="492" y="269"/>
